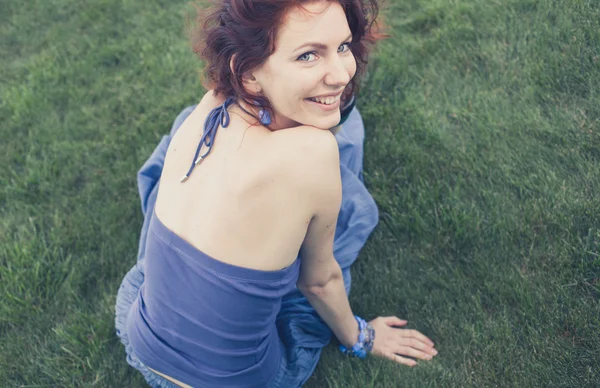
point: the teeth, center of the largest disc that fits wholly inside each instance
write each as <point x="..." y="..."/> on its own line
<point x="326" y="100"/>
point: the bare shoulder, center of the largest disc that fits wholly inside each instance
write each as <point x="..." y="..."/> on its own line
<point x="312" y="144"/>
<point x="310" y="156"/>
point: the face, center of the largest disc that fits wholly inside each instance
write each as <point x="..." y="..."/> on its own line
<point x="310" y="68"/>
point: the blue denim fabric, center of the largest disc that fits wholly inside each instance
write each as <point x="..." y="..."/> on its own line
<point x="302" y="331"/>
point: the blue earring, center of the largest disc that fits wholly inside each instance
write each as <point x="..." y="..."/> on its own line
<point x="264" y="116"/>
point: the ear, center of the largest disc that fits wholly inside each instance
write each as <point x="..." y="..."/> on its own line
<point x="251" y="83"/>
<point x="231" y="63"/>
<point x="248" y="79"/>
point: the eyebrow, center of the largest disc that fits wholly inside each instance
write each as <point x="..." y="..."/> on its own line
<point x="316" y="45"/>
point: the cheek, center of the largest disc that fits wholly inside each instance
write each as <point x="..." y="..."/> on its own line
<point x="351" y="67"/>
<point x="300" y="85"/>
<point x="273" y="77"/>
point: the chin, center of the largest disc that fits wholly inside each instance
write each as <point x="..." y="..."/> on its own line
<point x="326" y="123"/>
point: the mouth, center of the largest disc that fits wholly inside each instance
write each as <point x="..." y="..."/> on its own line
<point x="326" y="100"/>
<point x="328" y="104"/>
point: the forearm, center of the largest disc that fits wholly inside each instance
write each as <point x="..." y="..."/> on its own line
<point x="331" y="303"/>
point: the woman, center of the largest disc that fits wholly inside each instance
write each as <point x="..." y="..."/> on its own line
<point x="243" y="269"/>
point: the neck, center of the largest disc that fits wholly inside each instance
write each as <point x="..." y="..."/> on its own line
<point x="251" y="113"/>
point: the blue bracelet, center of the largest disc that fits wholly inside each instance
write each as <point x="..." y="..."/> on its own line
<point x="365" y="340"/>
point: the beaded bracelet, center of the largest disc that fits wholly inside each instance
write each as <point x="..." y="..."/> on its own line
<point x="365" y="340"/>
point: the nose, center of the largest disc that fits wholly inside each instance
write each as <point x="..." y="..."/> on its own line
<point x="337" y="74"/>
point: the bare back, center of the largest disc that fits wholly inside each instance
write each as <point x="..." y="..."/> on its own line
<point x="240" y="205"/>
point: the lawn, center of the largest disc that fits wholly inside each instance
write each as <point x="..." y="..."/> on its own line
<point x="482" y="152"/>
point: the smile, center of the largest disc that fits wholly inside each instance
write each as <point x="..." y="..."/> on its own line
<point x="326" y="100"/>
<point x="328" y="105"/>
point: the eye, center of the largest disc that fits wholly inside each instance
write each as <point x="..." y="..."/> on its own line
<point x="344" y="47"/>
<point x="307" y="57"/>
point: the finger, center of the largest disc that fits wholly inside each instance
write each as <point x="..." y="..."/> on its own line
<point x="394" y="321"/>
<point x="401" y="360"/>
<point x="415" y="334"/>
<point x="412" y="352"/>
<point x="416" y="344"/>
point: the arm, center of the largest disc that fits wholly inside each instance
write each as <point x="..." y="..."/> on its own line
<point x="321" y="280"/>
<point x="331" y="303"/>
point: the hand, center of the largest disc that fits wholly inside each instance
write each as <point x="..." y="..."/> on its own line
<point x="393" y="343"/>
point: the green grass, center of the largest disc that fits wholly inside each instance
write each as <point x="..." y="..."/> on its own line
<point x="482" y="152"/>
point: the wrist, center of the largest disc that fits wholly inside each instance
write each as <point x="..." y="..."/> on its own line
<point x="364" y="343"/>
<point x="350" y="339"/>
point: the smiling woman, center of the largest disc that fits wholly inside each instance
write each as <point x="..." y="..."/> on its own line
<point x="242" y="261"/>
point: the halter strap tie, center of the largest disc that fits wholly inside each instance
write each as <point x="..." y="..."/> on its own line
<point x="217" y="117"/>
